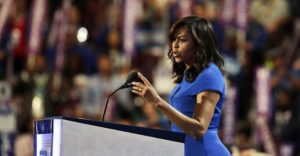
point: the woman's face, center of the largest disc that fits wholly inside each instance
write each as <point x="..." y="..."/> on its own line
<point x="183" y="47"/>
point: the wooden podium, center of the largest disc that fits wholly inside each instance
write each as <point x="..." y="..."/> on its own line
<point x="63" y="136"/>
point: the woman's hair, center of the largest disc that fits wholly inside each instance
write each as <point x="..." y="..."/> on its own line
<point x="206" y="47"/>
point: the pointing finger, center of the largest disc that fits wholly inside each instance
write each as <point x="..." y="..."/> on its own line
<point x="144" y="79"/>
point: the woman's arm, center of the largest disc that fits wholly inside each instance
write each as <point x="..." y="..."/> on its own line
<point x="203" y="111"/>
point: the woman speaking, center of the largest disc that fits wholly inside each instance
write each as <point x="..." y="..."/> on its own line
<point x="196" y="101"/>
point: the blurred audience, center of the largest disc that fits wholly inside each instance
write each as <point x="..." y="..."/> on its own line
<point x="95" y="64"/>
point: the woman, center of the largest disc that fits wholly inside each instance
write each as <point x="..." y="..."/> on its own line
<point x="197" y="99"/>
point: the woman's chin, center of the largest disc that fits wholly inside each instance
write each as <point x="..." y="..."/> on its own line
<point x="178" y="60"/>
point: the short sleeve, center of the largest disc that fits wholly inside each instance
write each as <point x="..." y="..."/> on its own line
<point x="211" y="79"/>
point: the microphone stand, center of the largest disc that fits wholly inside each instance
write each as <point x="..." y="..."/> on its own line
<point x="126" y="85"/>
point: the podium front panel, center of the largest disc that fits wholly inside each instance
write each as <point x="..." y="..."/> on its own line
<point x="77" y="138"/>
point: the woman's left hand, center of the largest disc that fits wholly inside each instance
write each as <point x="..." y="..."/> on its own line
<point x="146" y="90"/>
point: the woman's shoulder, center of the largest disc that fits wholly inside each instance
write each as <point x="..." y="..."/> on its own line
<point x="211" y="70"/>
<point x="210" y="78"/>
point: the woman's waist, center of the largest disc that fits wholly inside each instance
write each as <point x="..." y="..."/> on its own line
<point x="211" y="129"/>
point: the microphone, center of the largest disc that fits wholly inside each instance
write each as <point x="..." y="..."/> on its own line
<point x="132" y="77"/>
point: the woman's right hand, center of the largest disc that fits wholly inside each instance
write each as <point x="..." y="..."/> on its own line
<point x="146" y="90"/>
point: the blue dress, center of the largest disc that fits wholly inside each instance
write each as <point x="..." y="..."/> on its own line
<point x="183" y="98"/>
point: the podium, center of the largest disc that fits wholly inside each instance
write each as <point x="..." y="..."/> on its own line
<point x="64" y="136"/>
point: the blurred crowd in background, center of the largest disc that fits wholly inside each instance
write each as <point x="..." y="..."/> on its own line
<point x="64" y="57"/>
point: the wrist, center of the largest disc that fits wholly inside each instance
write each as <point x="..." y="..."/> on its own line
<point x="158" y="102"/>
